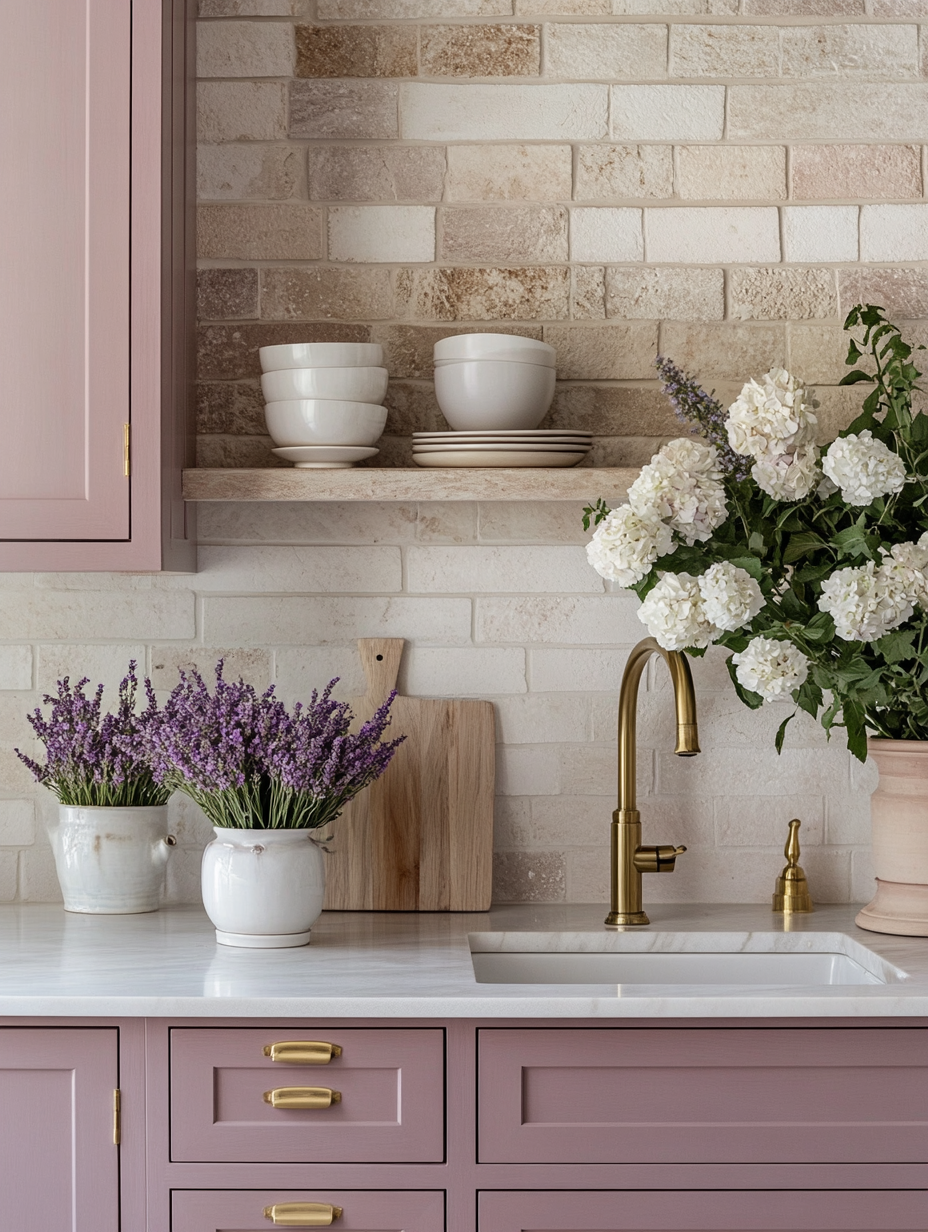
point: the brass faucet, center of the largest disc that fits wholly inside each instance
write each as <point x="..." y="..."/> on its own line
<point x="629" y="858"/>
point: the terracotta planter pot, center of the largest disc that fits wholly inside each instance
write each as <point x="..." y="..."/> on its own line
<point x="899" y="813"/>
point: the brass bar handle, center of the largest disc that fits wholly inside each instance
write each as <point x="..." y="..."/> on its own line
<point x="302" y="1097"/>
<point x="302" y="1214"/>
<point x="302" y="1052"/>
<point x="659" y="859"/>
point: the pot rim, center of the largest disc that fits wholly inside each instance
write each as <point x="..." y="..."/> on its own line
<point x="881" y="744"/>
<point x="261" y="835"/>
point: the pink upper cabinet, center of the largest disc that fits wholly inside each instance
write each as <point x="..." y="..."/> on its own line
<point x="87" y="191"/>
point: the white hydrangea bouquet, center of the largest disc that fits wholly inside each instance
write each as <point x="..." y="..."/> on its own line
<point x="811" y="566"/>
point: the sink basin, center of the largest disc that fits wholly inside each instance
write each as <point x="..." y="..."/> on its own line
<point x="746" y="959"/>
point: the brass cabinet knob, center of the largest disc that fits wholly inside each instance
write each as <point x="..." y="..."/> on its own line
<point x="302" y="1097"/>
<point x="302" y="1052"/>
<point x="302" y="1214"/>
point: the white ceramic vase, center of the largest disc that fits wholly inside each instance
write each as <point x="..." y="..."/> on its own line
<point x="899" y="815"/>
<point x="263" y="889"/>
<point x="111" y="861"/>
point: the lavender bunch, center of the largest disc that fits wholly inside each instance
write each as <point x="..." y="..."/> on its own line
<point x="703" y="412"/>
<point x="94" y="759"/>
<point x="252" y="765"/>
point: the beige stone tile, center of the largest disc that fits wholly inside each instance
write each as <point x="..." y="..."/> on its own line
<point x="232" y="407"/>
<point x="568" y="8"/>
<point x="394" y="451"/>
<point x="899" y="8"/>
<point x="668" y="112"/>
<point x="413" y="408"/>
<point x="241" y="111"/>
<point x="17" y="823"/>
<point x="739" y="822"/>
<point x="817" y="353"/>
<point x="724" y="352"/>
<point x="530" y="293"/>
<point x="222" y="452"/>
<point x="872" y="171"/>
<point x="665" y="8"/>
<point x="710" y="673"/>
<point x="839" y="110"/>
<point x="236" y="172"/>
<point x="376" y="173"/>
<point x="588" y="293"/>
<point x="436" y="112"/>
<point x="820" y="233"/>
<point x="514" y="829"/>
<point x="446" y="522"/>
<point x="187" y="821"/>
<point x="626" y="451"/>
<point x="590" y="769"/>
<point x="15" y="667"/>
<point x="301" y="669"/>
<point x="724" y="51"/>
<point x="408" y="349"/>
<point x="249" y="8"/>
<point x="361" y="110"/>
<point x="604" y="234"/>
<point x="715" y="771"/>
<point x="804" y="8"/>
<point x="380" y="233"/>
<point x="612" y="410"/>
<point x="106" y="665"/>
<point x="125" y="616"/>
<point x="538" y="718"/>
<point x="838" y="407"/>
<point x="229" y="352"/>
<point x="254" y="666"/>
<point x="608" y="171"/>
<point x="579" y="670"/>
<point x="622" y="352"/>
<point x="277" y="232"/>
<point x="732" y="172"/>
<point x="850" y="51"/>
<point x="529" y="877"/>
<point x="307" y="569"/>
<point x="307" y="522"/>
<point x="325" y="621"/>
<point x="612" y="52"/>
<point x="863" y="878"/>
<point x="362" y="294"/>
<point x="901" y="292"/>
<point x="532" y="522"/>
<point x="245" y="49"/>
<point x="783" y="294"/>
<point x="712" y="234"/>
<point x="744" y="876"/>
<point x="393" y="10"/>
<point x="225" y="293"/>
<point x="503" y="234"/>
<point x="894" y="232"/>
<point x="521" y="569"/>
<point x="509" y="173"/>
<point x="462" y="671"/>
<point x="356" y="51"/>
<point x="847" y="818"/>
<point x="665" y="294"/>
<point x="480" y="51"/>
<point x="600" y="620"/>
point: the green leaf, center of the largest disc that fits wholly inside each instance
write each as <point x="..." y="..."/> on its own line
<point x="594" y="514"/>
<point x="781" y="731"/>
<point x="853" y="352"/>
<point x="809" y="698"/>
<point x="855" y="377"/>
<point x="750" y="564"/>
<point x="752" y="700"/>
<point x="802" y="544"/>
<point x="757" y="543"/>
<point x="897" y="647"/>
<point x="854" y="541"/>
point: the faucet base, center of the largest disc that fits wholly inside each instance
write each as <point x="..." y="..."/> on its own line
<point x="621" y="919"/>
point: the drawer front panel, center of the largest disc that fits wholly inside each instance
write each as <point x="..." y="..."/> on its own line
<point x="390" y="1110"/>
<point x="713" y="1096"/>
<point x="218" y="1210"/>
<point x="769" y="1211"/>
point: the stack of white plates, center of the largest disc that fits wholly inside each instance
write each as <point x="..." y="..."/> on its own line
<point x="552" y="447"/>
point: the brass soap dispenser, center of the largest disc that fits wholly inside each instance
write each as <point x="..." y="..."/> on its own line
<point x="792" y="889"/>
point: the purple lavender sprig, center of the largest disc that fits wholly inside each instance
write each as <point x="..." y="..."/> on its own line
<point x="94" y="759"/>
<point x="703" y="412"/>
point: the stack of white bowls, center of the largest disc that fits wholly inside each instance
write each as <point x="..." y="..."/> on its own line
<point x="323" y="401"/>
<point x="494" y="391"/>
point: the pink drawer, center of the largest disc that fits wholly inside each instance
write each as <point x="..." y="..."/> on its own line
<point x="216" y="1210"/>
<point x="390" y="1110"/>
<point x="703" y="1096"/>
<point x="634" y="1211"/>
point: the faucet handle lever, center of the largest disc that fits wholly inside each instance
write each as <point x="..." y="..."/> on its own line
<point x="659" y="859"/>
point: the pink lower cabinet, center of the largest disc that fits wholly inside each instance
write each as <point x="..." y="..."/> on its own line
<point x="348" y="1210"/>
<point x="705" y="1211"/>
<point x="379" y="1098"/>
<point x="59" y="1164"/>
<point x="704" y="1096"/>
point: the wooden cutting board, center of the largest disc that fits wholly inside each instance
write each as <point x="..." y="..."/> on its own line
<point x="421" y="837"/>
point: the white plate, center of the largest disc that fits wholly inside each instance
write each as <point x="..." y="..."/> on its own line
<point x="539" y="434"/>
<point x="580" y="442"/>
<point x="468" y="458"/>
<point x="329" y="457"/>
<point x="490" y="447"/>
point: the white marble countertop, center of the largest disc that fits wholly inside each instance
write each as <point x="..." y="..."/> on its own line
<point x="359" y="965"/>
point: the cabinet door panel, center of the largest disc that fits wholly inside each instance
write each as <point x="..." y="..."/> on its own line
<point x="58" y="1162"/>
<point x="219" y="1210"/>
<point x="64" y="253"/>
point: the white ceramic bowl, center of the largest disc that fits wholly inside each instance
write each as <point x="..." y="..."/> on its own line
<point x="342" y="384"/>
<point x="320" y="421"/>
<point x="321" y="355"/>
<point x="510" y="347"/>
<point x="494" y="394"/>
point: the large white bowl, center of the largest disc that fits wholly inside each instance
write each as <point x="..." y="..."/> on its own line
<point x="342" y="384"/>
<point x="321" y="355"/>
<point x="494" y="394"/>
<point x="510" y="347"/>
<point x="321" y="421"/>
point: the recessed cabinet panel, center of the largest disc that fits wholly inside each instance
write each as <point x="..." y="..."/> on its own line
<point x="703" y="1096"/>
<point x="361" y="1210"/>
<point x="232" y="1103"/>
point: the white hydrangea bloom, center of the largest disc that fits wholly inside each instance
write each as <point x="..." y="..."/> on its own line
<point x="788" y="476"/>
<point x="771" y="416"/>
<point x="771" y="668"/>
<point x="730" y="596"/>
<point x="906" y="564"/>
<point x="866" y="602"/>
<point x="682" y="487"/>
<point x="863" y="468"/>
<point x="625" y="545"/>
<point x="674" y="614"/>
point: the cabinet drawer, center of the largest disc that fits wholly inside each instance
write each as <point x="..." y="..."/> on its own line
<point x="703" y="1096"/>
<point x="216" y="1210"/>
<point x="389" y="1084"/>
<point x="770" y="1210"/>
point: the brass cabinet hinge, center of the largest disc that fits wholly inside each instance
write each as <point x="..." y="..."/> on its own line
<point x="126" y="463"/>
<point x="117" y="1117"/>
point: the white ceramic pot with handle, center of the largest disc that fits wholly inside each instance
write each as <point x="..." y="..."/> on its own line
<point x="111" y="861"/>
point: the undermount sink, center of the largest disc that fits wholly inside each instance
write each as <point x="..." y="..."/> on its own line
<point x="746" y="959"/>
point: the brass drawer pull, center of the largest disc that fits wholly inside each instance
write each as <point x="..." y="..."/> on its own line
<point x="302" y="1214"/>
<point x="302" y="1052"/>
<point x="302" y="1097"/>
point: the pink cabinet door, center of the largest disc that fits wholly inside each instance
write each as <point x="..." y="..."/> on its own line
<point x="64" y="252"/>
<point x="59" y="1166"/>
<point x="770" y="1210"/>
<point x="703" y="1096"/>
<point x="390" y="1084"/>
<point x="217" y="1210"/>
